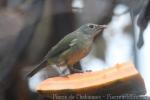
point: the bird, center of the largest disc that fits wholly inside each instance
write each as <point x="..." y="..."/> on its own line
<point x="71" y="49"/>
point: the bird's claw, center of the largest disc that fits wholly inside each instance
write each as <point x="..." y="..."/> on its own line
<point x="73" y="70"/>
<point x="88" y="71"/>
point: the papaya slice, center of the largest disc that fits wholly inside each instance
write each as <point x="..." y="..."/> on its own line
<point x="118" y="80"/>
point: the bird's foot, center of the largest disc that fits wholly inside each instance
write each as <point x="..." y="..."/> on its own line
<point x="64" y="73"/>
<point x="73" y="70"/>
<point x="88" y="71"/>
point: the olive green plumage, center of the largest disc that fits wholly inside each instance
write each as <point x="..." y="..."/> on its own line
<point x="72" y="48"/>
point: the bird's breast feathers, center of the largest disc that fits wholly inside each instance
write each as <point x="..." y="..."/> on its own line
<point x="78" y="49"/>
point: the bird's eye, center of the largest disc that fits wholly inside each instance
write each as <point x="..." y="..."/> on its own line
<point x="91" y="26"/>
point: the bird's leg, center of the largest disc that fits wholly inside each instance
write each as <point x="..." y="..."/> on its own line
<point x="59" y="68"/>
<point x="62" y="73"/>
<point x="73" y="70"/>
<point x="77" y="68"/>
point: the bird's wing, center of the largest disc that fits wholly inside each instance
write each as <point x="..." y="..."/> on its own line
<point x="67" y="42"/>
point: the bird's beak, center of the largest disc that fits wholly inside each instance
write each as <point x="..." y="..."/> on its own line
<point x="102" y="26"/>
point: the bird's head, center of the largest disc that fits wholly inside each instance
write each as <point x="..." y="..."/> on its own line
<point x="92" y="29"/>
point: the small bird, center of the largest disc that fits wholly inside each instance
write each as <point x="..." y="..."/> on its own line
<point x="71" y="49"/>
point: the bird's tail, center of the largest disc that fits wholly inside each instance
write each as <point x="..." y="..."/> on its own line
<point x="37" y="68"/>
